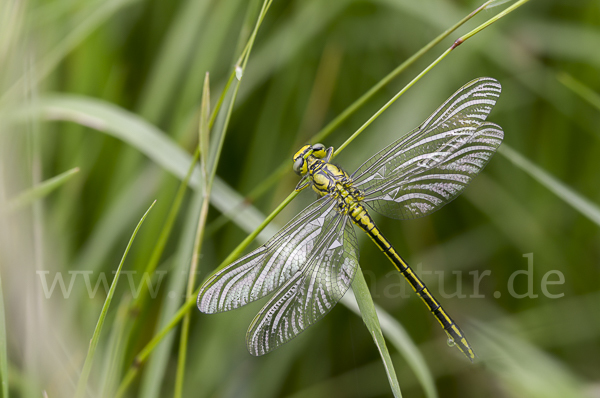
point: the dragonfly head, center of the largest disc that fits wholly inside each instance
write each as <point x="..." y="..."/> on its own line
<point x="301" y="157"/>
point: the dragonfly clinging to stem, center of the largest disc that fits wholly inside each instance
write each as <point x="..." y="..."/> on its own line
<point x="310" y="263"/>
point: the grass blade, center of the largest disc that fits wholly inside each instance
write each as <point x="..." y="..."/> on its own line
<point x="114" y="349"/>
<point x="120" y="123"/>
<point x="586" y="207"/>
<point x="589" y="95"/>
<point x="149" y="140"/>
<point x="87" y="366"/>
<point x="205" y="198"/>
<point x="41" y="190"/>
<point x="369" y="315"/>
<point x="204" y="129"/>
<point x="404" y="344"/>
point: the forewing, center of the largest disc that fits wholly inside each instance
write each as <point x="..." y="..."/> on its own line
<point x="271" y="265"/>
<point x="311" y="293"/>
<point x="427" y="188"/>
<point x="432" y="165"/>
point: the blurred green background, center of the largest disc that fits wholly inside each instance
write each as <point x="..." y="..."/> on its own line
<point x="113" y="87"/>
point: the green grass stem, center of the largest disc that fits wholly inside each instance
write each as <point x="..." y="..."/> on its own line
<point x="40" y="191"/>
<point x="87" y="366"/>
<point x="203" y="142"/>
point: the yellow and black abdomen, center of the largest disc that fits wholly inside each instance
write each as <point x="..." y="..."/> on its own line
<point x="362" y="218"/>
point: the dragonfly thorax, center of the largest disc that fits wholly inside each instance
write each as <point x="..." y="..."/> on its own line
<point x="312" y="162"/>
<point x="329" y="179"/>
<point x="326" y="177"/>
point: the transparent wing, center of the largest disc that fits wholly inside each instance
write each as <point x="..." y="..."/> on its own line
<point x="435" y="179"/>
<point x="311" y="293"/>
<point x="271" y="265"/>
<point x="433" y="164"/>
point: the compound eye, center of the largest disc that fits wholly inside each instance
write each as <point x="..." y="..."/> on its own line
<point x="298" y="165"/>
<point x="319" y="151"/>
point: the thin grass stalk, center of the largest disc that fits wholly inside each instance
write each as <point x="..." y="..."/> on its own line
<point x="203" y="143"/>
<point x="583" y="91"/>
<point x="40" y="190"/>
<point x="114" y="351"/>
<point x="87" y="366"/>
<point x="241" y="58"/>
<point x="586" y="207"/>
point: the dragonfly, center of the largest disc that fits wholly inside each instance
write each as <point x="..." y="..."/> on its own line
<point x="310" y="263"/>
